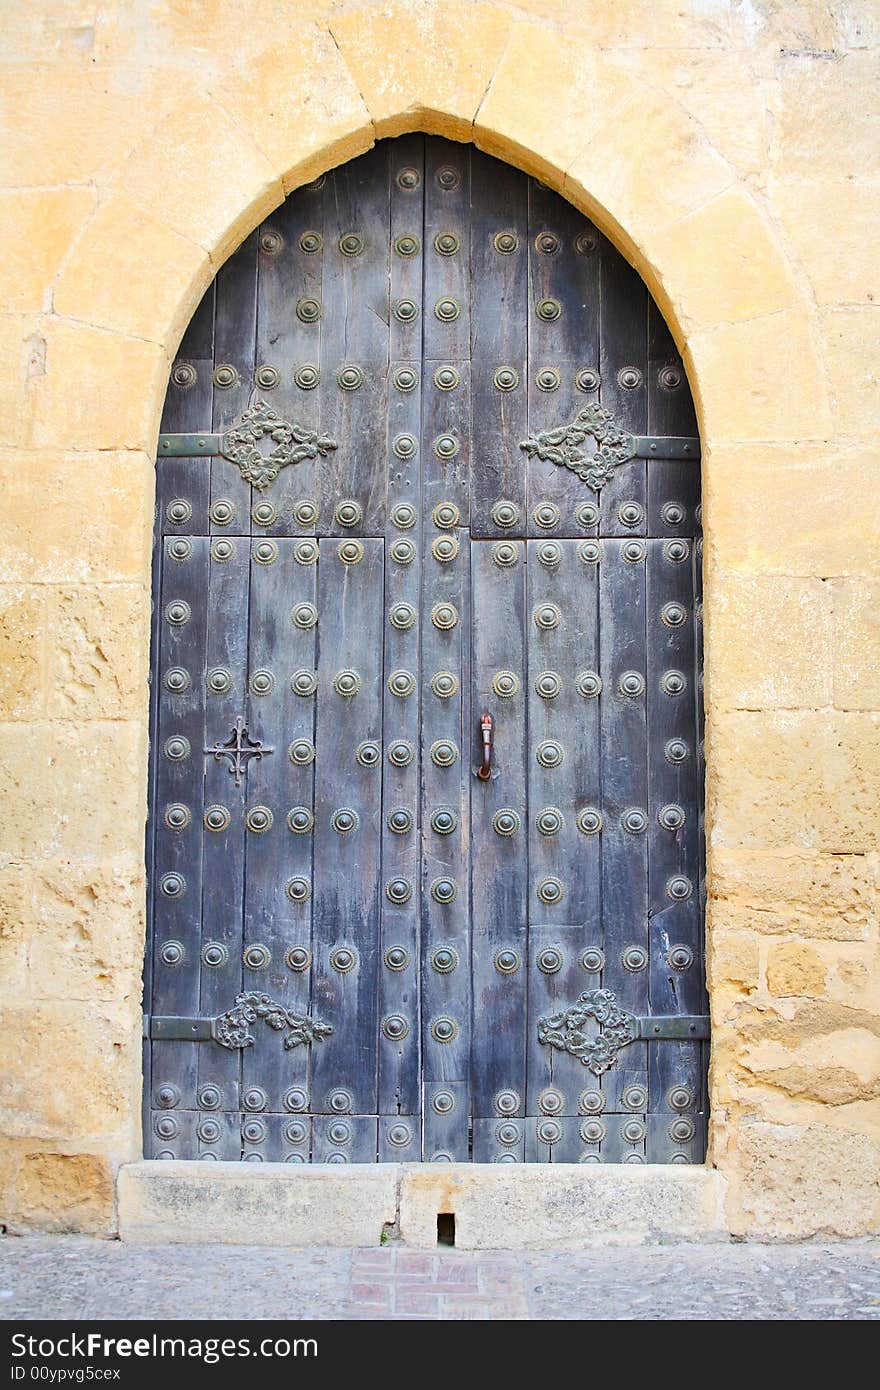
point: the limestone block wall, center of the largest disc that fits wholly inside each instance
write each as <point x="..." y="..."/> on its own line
<point x="731" y="151"/>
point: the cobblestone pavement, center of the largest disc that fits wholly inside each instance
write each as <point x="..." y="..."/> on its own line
<point x="76" y="1277"/>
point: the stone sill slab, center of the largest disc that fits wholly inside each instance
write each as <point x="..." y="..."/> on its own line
<point x="535" y="1206"/>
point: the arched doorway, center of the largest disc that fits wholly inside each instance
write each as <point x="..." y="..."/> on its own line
<point x="428" y="506"/>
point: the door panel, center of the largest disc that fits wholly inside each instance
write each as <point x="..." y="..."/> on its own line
<point x="360" y="949"/>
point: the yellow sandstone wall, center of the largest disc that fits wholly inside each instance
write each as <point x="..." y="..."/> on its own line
<point x="730" y="147"/>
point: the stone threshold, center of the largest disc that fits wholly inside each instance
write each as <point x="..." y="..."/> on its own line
<point x="534" y="1206"/>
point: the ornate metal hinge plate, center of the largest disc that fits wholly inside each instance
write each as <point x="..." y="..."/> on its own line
<point x="293" y="443"/>
<point x="239" y="748"/>
<point x="231" y="1029"/>
<point x="617" y="1028"/>
<point x="614" y="446"/>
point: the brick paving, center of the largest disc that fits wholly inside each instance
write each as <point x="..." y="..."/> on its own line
<point x="74" y="1277"/>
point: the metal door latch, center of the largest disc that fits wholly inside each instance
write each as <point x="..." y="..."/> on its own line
<point x="487" y="728"/>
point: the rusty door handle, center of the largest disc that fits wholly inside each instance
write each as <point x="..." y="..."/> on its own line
<point x="487" y="729"/>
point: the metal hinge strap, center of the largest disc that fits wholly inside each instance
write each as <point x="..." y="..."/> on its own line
<point x="647" y="446"/>
<point x="180" y="1029"/>
<point x="674" y="1027"/>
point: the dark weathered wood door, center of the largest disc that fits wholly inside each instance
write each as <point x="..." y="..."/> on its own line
<point x="428" y="455"/>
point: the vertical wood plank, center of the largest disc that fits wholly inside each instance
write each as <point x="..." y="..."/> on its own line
<point x="673" y="485"/>
<point x="347" y="858"/>
<point x="234" y="347"/>
<point x="623" y="326"/>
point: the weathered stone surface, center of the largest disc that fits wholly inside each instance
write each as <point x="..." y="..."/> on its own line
<point x="64" y="1192"/>
<point x="98" y="639"/>
<point x="796" y="1181"/>
<point x="560" y="1206"/>
<point x="834" y="1070"/>
<point x="748" y="275"/>
<point x="414" y="88"/>
<point x="740" y="370"/>
<point x="67" y="1071"/>
<point x="211" y="181"/>
<point x="86" y="924"/>
<point x="732" y="966"/>
<point x="521" y="118"/>
<point x="165" y="273"/>
<point x="300" y="104"/>
<point x="38" y="227"/>
<point x="16" y="923"/>
<point x="818" y="125"/>
<point x="856" y="605"/>
<point x="828" y="222"/>
<point x="22" y="651"/>
<point x="792" y="616"/>
<point x="796" y="509"/>
<point x="823" y="896"/>
<point x="251" y="1204"/>
<point x="793" y="967"/>
<point x="75" y="518"/>
<point x="850" y="341"/>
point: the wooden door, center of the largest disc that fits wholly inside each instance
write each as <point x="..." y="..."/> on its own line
<point x="428" y="455"/>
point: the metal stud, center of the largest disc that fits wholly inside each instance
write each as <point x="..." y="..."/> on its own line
<point x="448" y="178"/>
<point x="265" y="552"/>
<point x="507" y="1102"/>
<point x="634" y="958"/>
<point x="266" y="377"/>
<point x="408" y="179"/>
<point x="404" y="446"/>
<point x="444" y="752"/>
<point x="587" y="514"/>
<point x="548" y="310"/>
<point x="445" y="684"/>
<point x="405" y="310"/>
<point x="300" y="820"/>
<point x="305" y="512"/>
<point x="172" y="953"/>
<point x="304" y="683"/>
<point x="547" y="616"/>
<point x="587" y="379"/>
<point x="351" y="244"/>
<point x="680" y="1098"/>
<point x="209" y="1098"/>
<point x="301" y="752"/>
<point x="505" y="515"/>
<point x="589" y="821"/>
<point x="446" y="515"/>
<point x="176" y="748"/>
<point x="549" y="554"/>
<point x="507" y="961"/>
<point x="675" y="750"/>
<point x="350" y="377"/>
<point x="549" y="821"/>
<point x="508" y="1132"/>
<point x="400" y="821"/>
<point x="348" y="513"/>
<point x="505" y="684"/>
<point x="180" y="548"/>
<point x="262" y="683"/>
<point x="298" y="959"/>
<point x="397" y="958"/>
<point x="593" y="1131"/>
<point x="343" y="959"/>
<point x="225" y="376"/>
<point x="506" y="822"/>
<point x="444" y="616"/>
<point x="400" y="752"/>
<point x="167" y="1096"/>
<point x="547" y="515"/>
<point x="585" y="243"/>
<point x="402" y="552"/>
<point x="633" y="1131"/>
<point x="676" y="551"/>
<point x="447" y="378"/>
<point x="177" y="680"/>
<point x="634" y="820"/>
<point x="304" y="616"/>
<point x="345" y="821"/>
<point x="549" y="1131"/>
<point x="444" y="1029"/>
<point x="593" y="960"/>
<point x="444" y="890"/>
<point x="264" y="513"/>
<point x="256" y="957"/>
<point x="445" y="959"/>
<point x="589" y="552"/>
<point x="447" y="310"/>
<point x="311" y="243"/>
<point x="406" y="379"/>
<point x="402" y="616"/>
<point x="505" y="554"/>
<point x="445" y="549"/>
<point x="505" y="242"/>
<point x="671" y="817"/>
<point x="446" y="244"/>
<point x="407" y="245"/>
<point x="669" y="378"/>
<point x="402" y="684"/>
<point x="177" y="816"/>
<point x="680" y="957"/>
<point x="506" y="379"/>
<point x="631" y="684"/>
<point x="403" y="516"/>
<point x="271" y="242"/>
<point x="673" y="614"/>
<point x="551" y="1101"/>
<point x="547" y="243"/>
<point x="222" y="511"/>
<point x="307" y="377"/>
<point x="350" y="552"/>
<point x="442" y="1102"/>
<point x="177" y="613"/>
<point x="308" y="310"/>
<point x="347" y="683"/>
<point x="548" y="685"/>
<point x="216" y="819"/>
<point x="550" y="891"/>
<point x="591" y="1102"/>
<point x="550" y="753"/>
<point x="395" y="1027"/>
<point x="679" y="888"/>
<point x="629" y="378"/>
<point x="368" y="754"/>
<point x="259" y="819"/>
<point x="184" y="375"/>
<point x="222" y="550"/>
<point x="446" y="446"/>
<point x="444" y="820"/>
<point x="673" y="682"/>
<point x="298" y="889"/>
<point x="673" y="513"/>
<point x="548" y="379"/>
